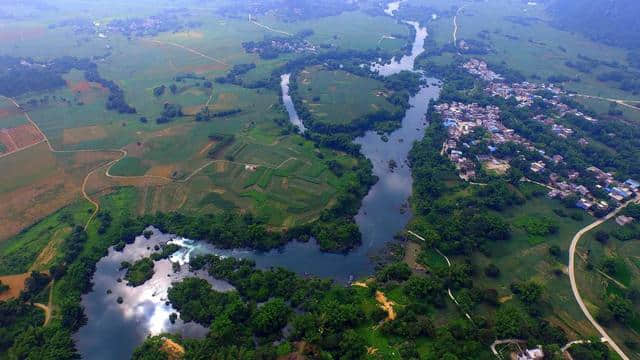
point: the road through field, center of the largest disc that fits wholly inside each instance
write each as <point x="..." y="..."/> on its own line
<point x="617" y="101"/>
<point x="574" y="286"/>
<point x="455" y="26"/>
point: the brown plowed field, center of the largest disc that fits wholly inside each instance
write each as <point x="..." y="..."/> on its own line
<point x="40" y="183"/>
<point x="25" y="135"/>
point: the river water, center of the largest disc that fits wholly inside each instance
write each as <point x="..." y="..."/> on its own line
<point x="288" y="103"/>
<point x="114" y="330"/>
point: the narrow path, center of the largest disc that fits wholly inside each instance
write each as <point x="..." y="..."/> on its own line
<point x="524" y="179"/>
<point x="455" y="26"/>
<point x="47" y="308"/>
<point x="21" y="149"/>
<point x="449" y="264"/>
<point x="617" y="101"/>
<point x="193" y="51"/>
<point x="268" y="27"/>
<point x="47" y="312"/>
<point x="574" y="287"/>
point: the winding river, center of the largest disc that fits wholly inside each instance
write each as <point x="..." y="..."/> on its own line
<point x="114" y="330"/>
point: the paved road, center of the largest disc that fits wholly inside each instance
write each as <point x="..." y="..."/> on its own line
<point x="574" y="286"/>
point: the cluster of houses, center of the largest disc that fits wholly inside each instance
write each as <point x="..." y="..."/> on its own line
<point x="479" y="68"/>
<point x="462" y="119"/>
<point x="282" y="45"/>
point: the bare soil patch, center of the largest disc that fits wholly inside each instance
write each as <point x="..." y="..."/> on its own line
<point x="386" y="305"/>
<point x="177" y="130"/>
<point x="173" y="350"/>
<point x="82" y="134"/>
<point x="16" y="285"/>
<point x="79" y="87"/>
<point x="23" y="135"/>
<point x="221" y="166"/>
<point x="192" y="110"/>
<point x="498" y="167"/>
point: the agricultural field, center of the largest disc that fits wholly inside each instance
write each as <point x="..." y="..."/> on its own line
<point x="279" y="176"/>
<point x="338" y="97"/>
<point x="41" y="182"/>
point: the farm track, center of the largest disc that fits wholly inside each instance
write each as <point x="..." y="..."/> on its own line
<point x="455" y="26"/>
<point x="268" y="27"/>
<point x="193" y="51"/>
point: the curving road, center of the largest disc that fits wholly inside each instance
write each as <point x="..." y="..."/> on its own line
<point x="574" y="286"/>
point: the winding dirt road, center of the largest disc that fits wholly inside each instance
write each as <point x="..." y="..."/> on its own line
<point x="455" y="26"/>
<point x="574" y="286"/>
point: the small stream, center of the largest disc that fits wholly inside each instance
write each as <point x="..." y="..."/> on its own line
<point x="114" y="330"/>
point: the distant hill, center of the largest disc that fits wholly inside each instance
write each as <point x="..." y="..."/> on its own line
<point x="615" y="22"/>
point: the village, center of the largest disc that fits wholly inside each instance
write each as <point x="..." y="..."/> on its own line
<point x="463" y="120"/>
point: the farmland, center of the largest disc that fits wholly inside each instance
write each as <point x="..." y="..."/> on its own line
<point x="338" y="97"/>
<point x="169" y="162"/>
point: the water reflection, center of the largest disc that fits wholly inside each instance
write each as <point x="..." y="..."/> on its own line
<point x="406" y="62"/>
<point x="288" y="103"/>
<point x="113" y="330"/>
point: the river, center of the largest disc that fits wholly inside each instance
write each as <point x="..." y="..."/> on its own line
<point x="288" y="103"/>
<point x="114" y="330"/>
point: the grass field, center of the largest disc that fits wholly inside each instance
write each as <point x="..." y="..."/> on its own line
<point x="595" y="286"/>
<point x="34" y="248"/>
<point x="525" y="257"/>
<point x="339" y="97"/>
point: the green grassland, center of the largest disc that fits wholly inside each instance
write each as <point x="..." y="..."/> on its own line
<point x="526" y="257"/>
<point x="19" y="253"/>
<point x="595" y="287"/>
<point x="339" y="97"/>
